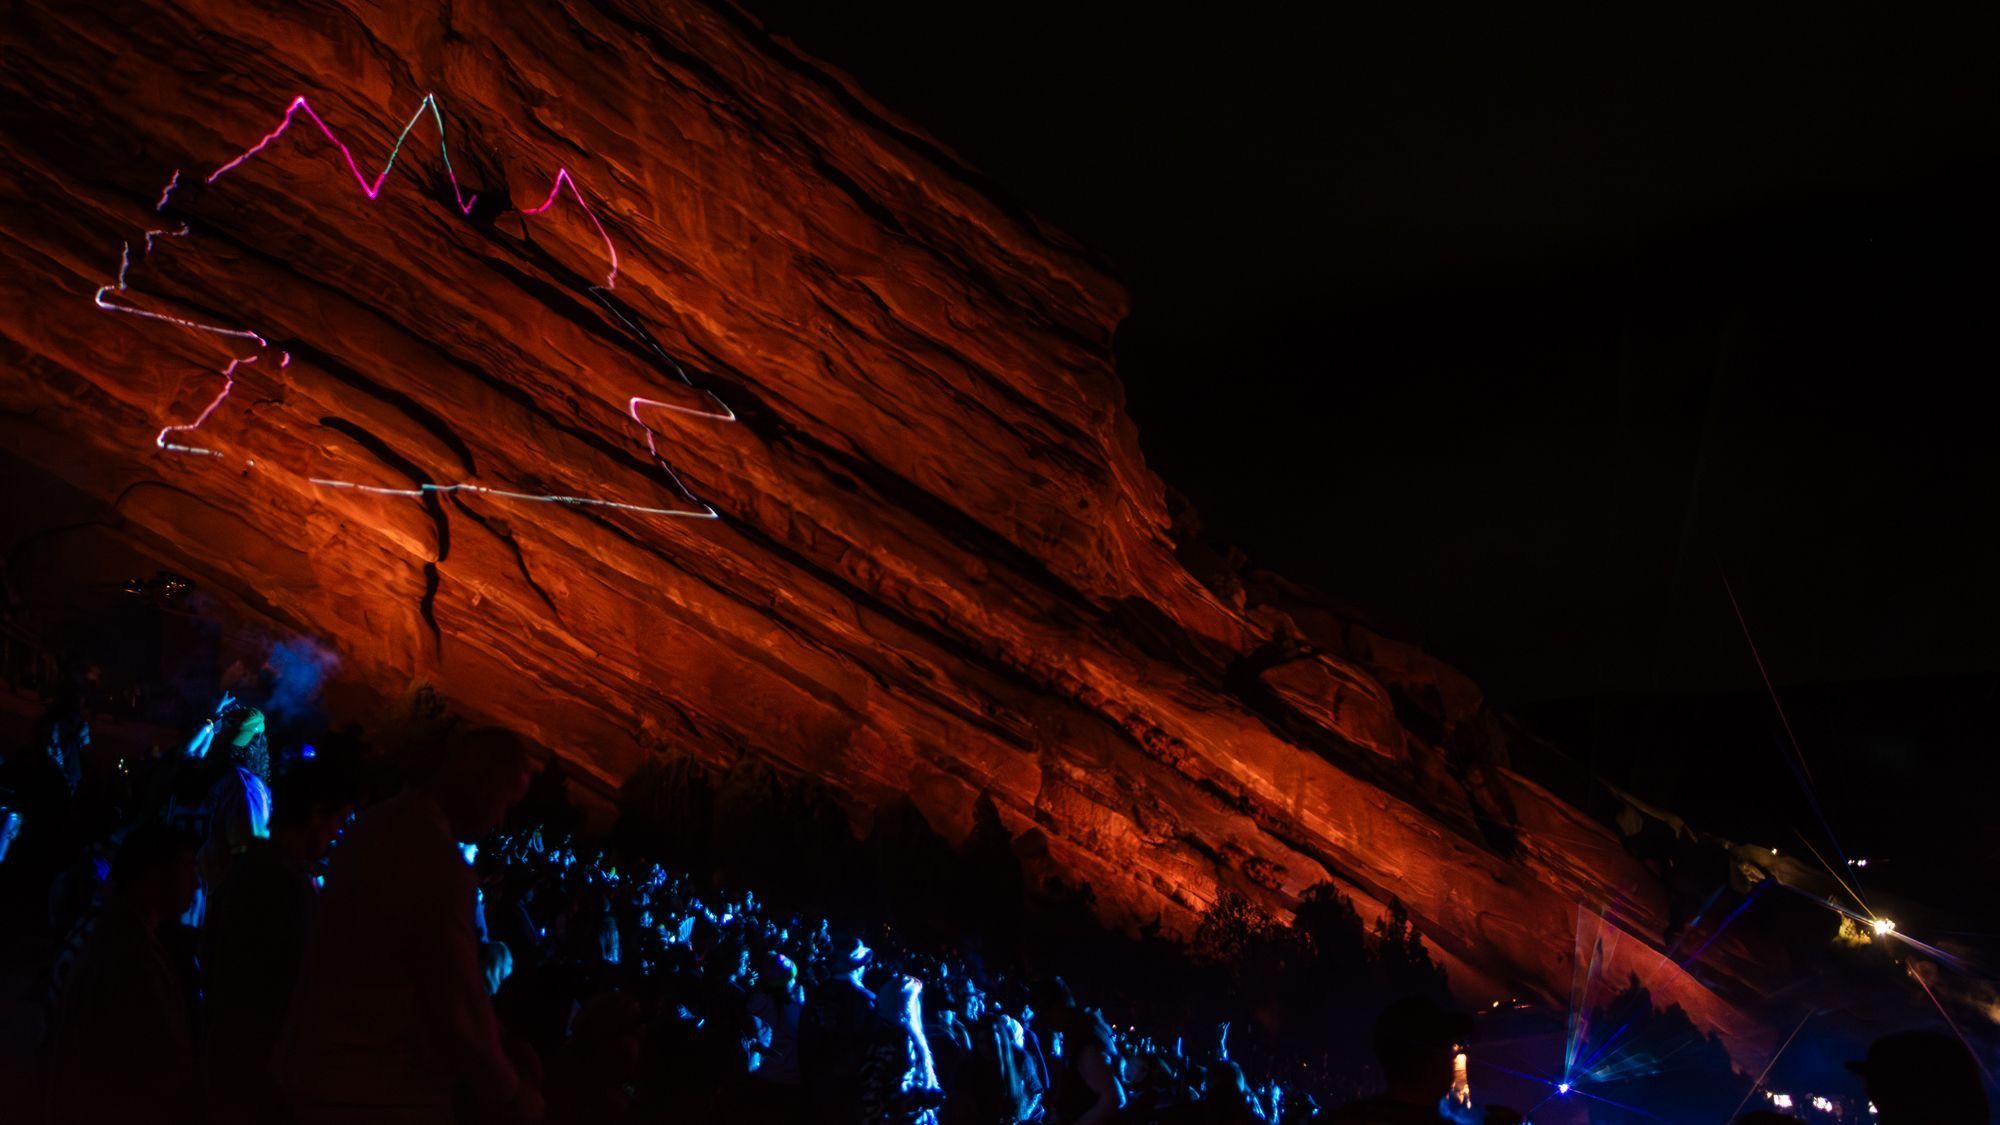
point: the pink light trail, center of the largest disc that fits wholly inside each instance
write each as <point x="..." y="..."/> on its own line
<point x="167" y="192"/>
<point x="465" y="202"/>
<point x="228" y="384"/>
<point x="373" y="188"/>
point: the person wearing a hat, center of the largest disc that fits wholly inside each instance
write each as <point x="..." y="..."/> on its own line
<point x="1415" y="1042"/>
<point x="1923" y="1078"/>
<point x="835" y="1031"/>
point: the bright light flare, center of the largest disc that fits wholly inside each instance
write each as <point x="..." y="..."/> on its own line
<point x="1883" y="927"/>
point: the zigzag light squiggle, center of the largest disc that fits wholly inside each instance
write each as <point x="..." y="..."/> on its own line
<point x="465" y="202"/>
<point x="373" y="188"/>
<point x="228" y="384"/>
<point x="167" y="192"/>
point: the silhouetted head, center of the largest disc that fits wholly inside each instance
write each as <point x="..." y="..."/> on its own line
<point x="1051" y="995"/>
<point x="1923" y="1078"/>
<point x="778" y="973"/>
<point x="608" y="1029"/>
<point x="899" y="1000"/>
<point x="313" y="803"/>
<point x="1225" y="1084"/>
<point x="851" y="955"/>
<point x="478" y="776"/>
<point x="1415" y="1041"/>
<point x="154" y="869"/>
<point x="732" y="960"/>
<point x="65" y="725"/>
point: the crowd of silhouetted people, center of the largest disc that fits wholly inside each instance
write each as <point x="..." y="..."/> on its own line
<point x="234" y="941"/>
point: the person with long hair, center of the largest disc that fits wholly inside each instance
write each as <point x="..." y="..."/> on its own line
<point x="238" y="805"/>
<point x="899" y="1078"/>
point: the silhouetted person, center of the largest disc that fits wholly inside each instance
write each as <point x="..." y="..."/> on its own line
<point x="1084" y="1088"/>
<point x="834" y="1033"/>
<point x="591" y="1079"/>
<point x="1923" y="1078"/>
<point x="779" y="1002"/>
<point x="998" y="1084"/>
<point x="122" y="1047"/>
<point x="1415" y="1043"/>
<point x="64" y="733"/>
<point x="253" y="941"/>
<point x="35" y="788"/>
<point x="1015" y="1002"/>
<point x="1226" y="1097"/>
<point x="950" y="1035"/>
<point x="391" y="1021"/>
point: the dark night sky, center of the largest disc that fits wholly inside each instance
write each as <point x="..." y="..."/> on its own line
<point x="1506" y="328"/>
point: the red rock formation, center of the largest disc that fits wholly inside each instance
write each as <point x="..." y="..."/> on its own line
<point x="942" y="567"/>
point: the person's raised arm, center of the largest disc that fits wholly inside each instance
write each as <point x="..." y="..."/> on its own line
<point x="204" y="737"/>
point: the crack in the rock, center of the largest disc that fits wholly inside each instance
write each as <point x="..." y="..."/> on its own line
<point x="513" y="544"/>
<point x="440" y="523"/>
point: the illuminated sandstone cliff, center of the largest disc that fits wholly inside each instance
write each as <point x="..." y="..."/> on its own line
<point x="940" y="568"/>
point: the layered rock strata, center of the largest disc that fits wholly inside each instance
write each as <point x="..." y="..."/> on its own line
<point x="939" y="565"/>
